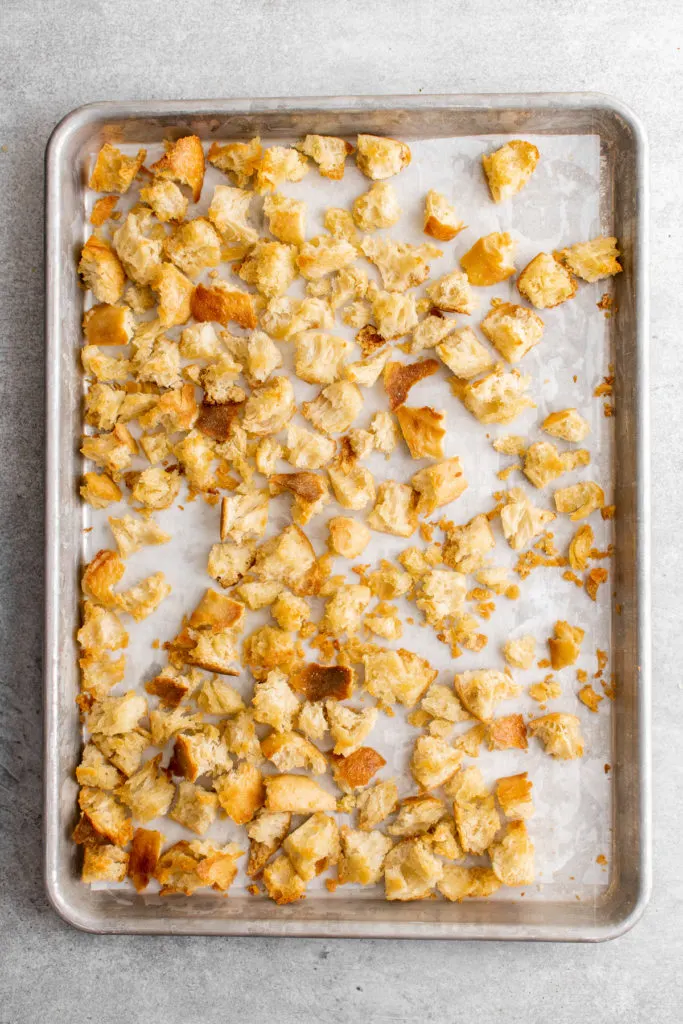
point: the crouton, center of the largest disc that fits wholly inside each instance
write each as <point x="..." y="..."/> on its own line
<point x="376" y="803"/>
<point x="521" y="521"/>
<point x="96" y="771"/>
<point x="282" y="882"/>
<point x="266" y="832"/>
<point x="349" y="726"/>
<point x="314" y="846"/>
<point x="399" y="378"/>
<point x="579" y="500"/>
<point x="239" y="158"/>
<point x="476" y="817"/>
<point x="290" y="612"/>
<point x="431" y="331"/>
<point x="499" y="397"/>
<point x="520" y="653"/>
<point x="464" y="354"/>
<point x="482" y="690"/>
<point x="101" y="270"/>
<point x="240" y="792"/>
<point x="459" y="882"/>
<point x="442" y="596"/>
<point x="324" y="254"/>
<point x="565" y="646"/>
<point x="244" y="517"/>
<point x="223" y="304"/>
<point x="509" y="168"/>
<point x="423" y="430"/>
<point x="397" y="676"/>
<point x="560" y="733"/>
<point x="508" y="733"/>
<point x="376" y="208"/>
<point x="132" y="533"/>
<point x="183" y="162"/>
<point x="286" y="218"/>
<point x="438" y="485"/>
<point x="297" y="794"/>
<point x="411" y="871"/>
<point x="452" y="293"/>
<point x="400" y="264"/>
<point x="512" y="857"/>
<point x="379" y="157"/>
<point x="311" y="719"/>
<point x="269" y="409"/>
<point x="270" y="266"/>
<point x="591" y="261"/>
<point x="274" y="703"/>
<point x="114" y="715"/>
<point x="335" y="408"/>
<point x="171" y="685"/>
<point x="108" y="325"/>
<point x="328" y="152"/>
<point x="139" y="255"/>
<point x="175" y="295"/>
<point x="416" y="815"/>
<point x="156" y="488"/>
<point x="489" y="261"/>
<point x="149" y="792"/>
<point x="103" y="210"/>
<point x="353" y="486"/>
<point x="101" y="630"/>
<point x="362" y="856"/>
<point x="441" y="702"/>
<point x="195" y="808"/>
<point x="514" y="796"/>
<point x="394" y="510"/>
<point x="144" y="856"/>
<point x="433" y="762"/>
<point x="513" y="330"/>
<point x="355" y="771"/>
<point x="124" y="750"/>
<point x="568" y="424"/>
<point x="440" y="219"/>
<point x="228" y="212"/>
<point x="104" y="864"/>
<point x="104" y="817"/>
<point x="545" y="282"/>
<point x="320" y="357"/>
<point x="543" y="463"/>
<point x="348" y="537"/>
<point x="279" y="164"/>
<point x="310" y="492"/>
<point x="145" y="597"/>
<point x="166" y="199"/>
<point x="268" y="648"/>
<point x="320" y="682"/>
<point x="228" y="562"/>
<point x="289" y="559"/>
<point x="113" y="171"/>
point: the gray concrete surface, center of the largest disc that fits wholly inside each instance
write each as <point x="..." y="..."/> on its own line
<point x="59" y="54"/>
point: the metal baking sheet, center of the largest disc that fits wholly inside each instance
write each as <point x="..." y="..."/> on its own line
<point x="591" y="181"/>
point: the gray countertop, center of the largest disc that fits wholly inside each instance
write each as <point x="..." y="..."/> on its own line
<point x="55" y="56"/>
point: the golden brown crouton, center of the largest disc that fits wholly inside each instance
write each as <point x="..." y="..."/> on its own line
<point x="144" y="856"/>
<point x="565" y="646"/>
<point x="202" y="752"/>
<point x="279" y="164"/>
<point x="560" y="733"/>
<point x="270" y="267"/>
<point x="238" y="158"/>
<point x="195" y="808"/>
<point x="104" y="864"/>
<point x="297" y="794"/>
<point x="124" y="750"/>
<point x="397" y="676"/>
<point x="509" y="168"/>
<point x="400" y="264"/>
<point x="591" y="261"/>
<point x="320" y="682"/>
<point x="345" y="608"/>
<point x="96" y="771"/>
<point x="282" y="882"/>
<point x="240" y="792"/>
<point x="520" y="652"/>
<point x="149" y="792"/>
<point x="568" y="424"/>
<point x="166" y="199"/>
<point x="349" y="726"/>
<point x="474" y="808"/>
<point x="545" y="282"/>
<point x="441" y="702"/>
<point x="104" y="816"/>
<point x="411" y="871"/>
<point x="521" y="521"/>
<point x="335" y="408"/>
<point x="399" y="378"/>
<point x="579" y="500"/>
<point x="108" y="325"/>
<point x="376" y="803"/>
<point x="440" y="219"/>
<point x="139" y="254"/>
<point x="376" y="208"/>
<point x="101" y="270"/>
<point x="514" y="796"/>
<point x="507" y="733"/>
<point x="223" y="304"/>
<point x="464" y="354"/>
<point x="452" y="293"/>
<point x="423" y="430"/>
<point x="489" y="261"/>
<point x="356" y="770"/>
<point x="438" y="485"/>
<point x="416" y="815"/>
<point x="480" y="691"/>
<point x="459" y="882"/>
<point x="362" y="856"/>
<point x="314" y="846"/>
<point x="512" y="857"/>
<point x="499" y="397"/>
<point x="266" y="832"/>
<point x="395" y="509"/>
<point x="228" y="212"/>
<point x="175" y="295"/>
<point x="103" y="209"/>
<point x="328" y="152"/>
<point x="183" y="162"/>
<point x="269" y="409"/>
<point x="513" y="330"/>
<point x="433" y="762"/>
<point x="348" y="537"/>
<point x="113" y="171"/>
<point x="379" y="157"/>
<point x="286" y="218"/>
<point x="320" y="357"/>
<point x="323" y="254"/>
<point x="289" y="559"/>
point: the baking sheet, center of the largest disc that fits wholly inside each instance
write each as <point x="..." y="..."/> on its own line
<point x="561" y="205"/>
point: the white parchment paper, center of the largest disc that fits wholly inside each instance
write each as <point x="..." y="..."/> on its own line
<point x="560" y="205"/>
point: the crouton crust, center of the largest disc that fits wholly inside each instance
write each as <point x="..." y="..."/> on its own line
<point x="183" y="161"/>
<point x="144" y="856"/>
<point x="399" y="378"/>
<point x="322" y="682"/>
<point x="222" y="305"/>
<point x="356" y="770"/>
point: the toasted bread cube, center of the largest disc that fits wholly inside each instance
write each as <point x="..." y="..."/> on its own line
<point x="460" y="882"/>
<point x="311" y="719"/>
<point x="328" y="152"/>
<point x="545" y="282"/>
<point x="103" y="210"/>
<point x="591" y="261"/>
<point x="395" y="314"/>
<point x="101" y="630"/>
<point x="320" y="682"/>
<point x="438" y="485"/>
<point x="543" y="463"/>
<point x="279" y="164"/>
<point x="507" y="733"/>
<point x="320" y="357"/>
<point x="101" y="270"/>
<point x="165" y="724"/>
<point x="565" y="646"/>
<point x="149" y="792"/>
<point x="397" y="676"/>
<point x="288" y="559"/>
<point x="139" y="255"/>
<point x="442" y="595"/>
<point x="274" y="702"/>
<point x="289" y="750"/>
<point x="400" y="264"/>
<point x="101" y="574"/>
<point x="283" y="884"/>
<point x="362" y="856"/>
<point x="521" y="521"/>
<point x="156" y="488"/>
<point x="199" y="753"/>
<point x="378" y="157"/>
<point x="104" y="817"/>
<point x="580" y="547"/>
<point x="520" y="653"/>
<point x="441" y="702"/>
<point x="104" y="368"/>
<point x="123" y="750"/>
<point x="240" y="792"/>
<point x="239" y="158"/>
<point x="144" y="598"/>
<point x="384" y="621"/>
<point x="270" y="266"/>
<point x="399" y="378"/>
<point x="105" y="324"/>
<point x="440" y="219"/>
<point x="114" y="715"/>
<point x="431" y="331"/>
<point x="513" y="330"/>
<point x="579" y="500"/>
<point x="416" y="815"/>
<point x="286" y="218"/>
<point x="96" y="771"/>
<point x="268" y="453"/>
<point x="344" y="609"/>
<point x="335" y="408"/>
<point x="132" y="533"/>
<point x="228" y="562"/>
<point x="310" y="492"/>
<point x="241" y="739"/>
<point x="348" y="537"/>
<point x="183" y="162"/>
<point x="268" y="410"/>
<point x="175" y="293"/>
<point x="481" y="691"/>
<point x="349" y="726"/>
<point x="194" y="246"/>
<point x="268" y="648"/>
<point x="464" y="354"/>
<point x="376" y="803"/>
<point x="499" y="397"/>
<point x="113" y="171"/>
<point x="560" y="733"/>
<point x="395" y="510"/>
<point x="308" y="450"/>
<point x="144" y="856"/>
<point x="489" y="261"/>
<point x="217" y="697"/>
<point x="509" y="168"/>
<point x="195" y="808"/>
<point x="423" y="431"/>
<point x="353" y="487"/>
<point x="104" y="863"/>
<point x="266" y="832"/>
<point x="452" y="293"/>
<point x="512" y="857"/>
<point x="290" y="612"/>
<point x="221" y="304"/>
<point x="411" y="871"/>
<point x="297" y="794"/>
<point x="376" y="208"/>
<point x="514" y="796"/>
<point x="324" y="254"/>
<point x="474" y="808"/>
<point x="314" y="846"/>
<point x="388" y="582"/>
<point x="433" y="762"/>
<point x="166" y="199"/>
<point x="228" y="212"/>
<point x="355" y="771"/>
<point x="568" y="424"/>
